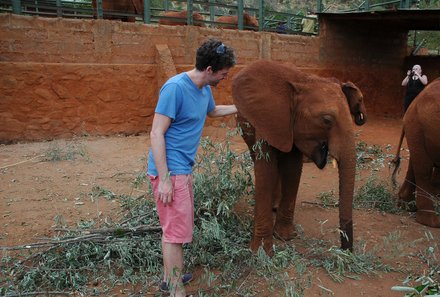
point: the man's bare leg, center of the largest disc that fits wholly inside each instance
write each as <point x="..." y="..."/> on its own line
<point x="173" y="267"/>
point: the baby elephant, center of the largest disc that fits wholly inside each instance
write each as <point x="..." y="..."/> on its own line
<point x="422" y="182"/>
<point x="285" y="114"/>
<point x="179" y="18"/>
<point x="249" y="22"/>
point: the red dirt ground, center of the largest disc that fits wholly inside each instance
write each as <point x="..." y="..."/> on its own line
<point x="33" y="191"/>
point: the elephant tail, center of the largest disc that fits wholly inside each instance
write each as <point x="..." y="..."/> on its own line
<point x="396" y="161"/>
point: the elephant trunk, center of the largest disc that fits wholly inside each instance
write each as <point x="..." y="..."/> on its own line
<point x="347" y="171"/>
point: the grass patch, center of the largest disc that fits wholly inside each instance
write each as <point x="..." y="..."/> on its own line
<point x="428" y="282"/>
<point x="376" y="194"/>
<point x="70" y="152"/>
<point x="371" y="156"/>
<point x="328" y="199"/>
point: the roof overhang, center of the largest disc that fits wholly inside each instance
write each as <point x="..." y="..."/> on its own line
<point x="402" y="20"/>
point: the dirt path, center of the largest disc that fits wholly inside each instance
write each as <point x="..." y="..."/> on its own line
<point x="35" y="192"/>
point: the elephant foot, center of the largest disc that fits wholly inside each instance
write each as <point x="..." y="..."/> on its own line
<point x="428" y="218"/>
<point x="285" y="231"/>
<point x="266" y="242"/>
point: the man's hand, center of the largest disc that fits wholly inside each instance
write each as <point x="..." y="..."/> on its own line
<point x="165" y="190"/>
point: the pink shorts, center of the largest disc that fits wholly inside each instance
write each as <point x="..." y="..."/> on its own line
<point x="177" y="218"/>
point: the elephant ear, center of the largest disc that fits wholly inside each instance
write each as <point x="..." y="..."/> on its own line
<point x="268" y="106"/>
<point x="355" y="101"/>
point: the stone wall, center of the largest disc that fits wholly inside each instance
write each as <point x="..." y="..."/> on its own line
<point x="63" y="77"/>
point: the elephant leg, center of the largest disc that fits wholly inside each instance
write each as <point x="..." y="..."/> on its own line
<point x="290" y="165"/>
<point x="407" y="190"/>
<point x="427" y="201"/>
<point x="277" y="196"/>
<point x="266" y="180"/>
<point x="427" y="195"/>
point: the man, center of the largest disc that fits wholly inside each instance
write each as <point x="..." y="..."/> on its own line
<point x="415" y="82"/>
<point x="184" y="102"/>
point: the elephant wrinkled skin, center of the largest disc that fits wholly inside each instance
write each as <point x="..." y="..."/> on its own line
<point x="284" y="114"/>
<point x="122" y="6"/>
<point x="179" y="18"/>
<point x="421" y="125"/>
<point x="231" y="22"/>
<point x="112" y="8"/>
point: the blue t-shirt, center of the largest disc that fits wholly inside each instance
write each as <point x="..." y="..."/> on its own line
<point x="187" y="106"/>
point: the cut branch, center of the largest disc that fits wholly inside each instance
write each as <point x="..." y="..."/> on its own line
<point x="95" y="235"/>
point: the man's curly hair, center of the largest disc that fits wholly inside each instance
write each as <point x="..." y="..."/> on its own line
<point x="207" y="55"/>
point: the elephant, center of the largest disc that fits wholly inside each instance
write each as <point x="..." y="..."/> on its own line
<point x="284" y="114"/>
<point x="249" y="22"/>
<point x="123" y="6"/>
<point x="421" y="124"/>
<point x="137" y="7"/>
<point x="197" y="18"/>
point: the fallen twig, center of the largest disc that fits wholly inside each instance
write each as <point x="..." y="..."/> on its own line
<point x="21" y="162"/>
<point x="117" y="230"/>
<point x="43" y="293"/>
<point x="320" y="204"/>
<point x="32" y="256"/>
<point x="51" y="243"/>
<point x="89" y="235"/>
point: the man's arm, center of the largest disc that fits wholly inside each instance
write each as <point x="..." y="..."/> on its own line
<point x="160" y="125"/>
<point x="222" y="110"/>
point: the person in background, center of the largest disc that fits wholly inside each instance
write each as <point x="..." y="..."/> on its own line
<point x="184" y="102"/>
<point x="415" y="82"/>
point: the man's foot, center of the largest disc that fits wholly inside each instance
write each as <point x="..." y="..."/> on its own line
<point x="186" y="278"/>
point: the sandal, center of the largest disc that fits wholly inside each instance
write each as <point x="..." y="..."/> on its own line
<point x="186" y="278"/>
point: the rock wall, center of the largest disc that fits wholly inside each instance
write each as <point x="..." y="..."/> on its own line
<point x="64" y="77"/>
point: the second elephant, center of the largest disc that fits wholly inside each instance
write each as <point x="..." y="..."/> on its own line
<point x="231" y="22"/>
<point x="286" y="113"/>
<point x="421" y="124"/>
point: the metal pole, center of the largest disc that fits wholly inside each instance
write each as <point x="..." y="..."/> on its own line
<point x="99" y="9"/>
<point x="367" y="5"/>
<point x="189" y="9"/>
<point x="212" y="10"/>
<point x="147" y="11"/>
<point x="59" y="9"/>
<point x="319" y="6"/>
<point x="240" y="14"/>
<point x="260" y="15"/>
<point x="16" y="6"/>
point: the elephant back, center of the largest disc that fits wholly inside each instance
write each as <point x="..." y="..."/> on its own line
<point x="254" y="95"/>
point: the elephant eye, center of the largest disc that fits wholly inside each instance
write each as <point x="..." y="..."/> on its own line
<point x="328" y="121"/>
